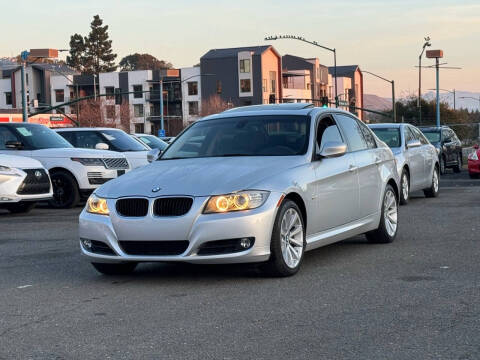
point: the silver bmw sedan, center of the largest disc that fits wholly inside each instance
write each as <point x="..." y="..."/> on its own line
<point x="258" y="184"/>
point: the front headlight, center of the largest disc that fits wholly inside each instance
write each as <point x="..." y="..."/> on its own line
<point x="96" y="205"/>
<point x="89" y="161"/>
<point x="243" y="200"/>
<point x="5" y="170"/>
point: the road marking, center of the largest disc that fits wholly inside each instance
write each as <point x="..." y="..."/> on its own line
<point x="23" y="286"/>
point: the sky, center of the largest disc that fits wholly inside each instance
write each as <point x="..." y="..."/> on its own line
<point x="382" y="36"/>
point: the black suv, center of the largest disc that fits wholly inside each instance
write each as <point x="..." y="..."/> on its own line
<point x="449" y="147"/>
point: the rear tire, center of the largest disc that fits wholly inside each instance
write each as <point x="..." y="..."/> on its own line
<point x="288" y="242"/>
<point x="66" y="194"/>
<point x="388" y="227"/>
<point x="405" y="187"/>
<point x="458" y="168"/>
<point x="432" y="191"/>
<point x="473" y="175"/>
<point x="443" y="165"/>
<point x="115" y="269"/>
<point x="20" y="207"/>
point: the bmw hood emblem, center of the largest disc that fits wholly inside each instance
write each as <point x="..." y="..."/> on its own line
<point x="156" y="189"/>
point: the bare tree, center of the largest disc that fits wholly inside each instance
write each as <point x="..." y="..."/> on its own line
<point x="214" y="105"/>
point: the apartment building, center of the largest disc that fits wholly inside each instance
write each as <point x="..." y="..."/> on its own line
<point x="296" y="86"/>
<point x="355" y="92"/>
<point x="318" y="73"/>
<point x="242" y="76"/>
<point x="191" y="94"/>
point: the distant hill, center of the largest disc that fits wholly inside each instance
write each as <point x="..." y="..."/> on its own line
<point x="376" y="102"/>
<point x="470" y="104"/>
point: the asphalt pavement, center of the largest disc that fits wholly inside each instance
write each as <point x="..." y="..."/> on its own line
<point x="417" y="298"/>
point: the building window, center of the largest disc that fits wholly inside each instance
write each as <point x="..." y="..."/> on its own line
<point x="193" y="108"/>
<point x="273" y="82"/>
<point x="193" y="88"/>
<point x="245" y="66"/>
<point x="110" y="92"/>
<point x="138" y="91"/>
<point x="59" y="95"/>
<point x="245" y="85"/>
<point x="138" y="110"/>
<point x="61" y="110"/>
<point x="264" y="85"/>
<point x="110" y="109"/>
<point x="219" y="87"/>
<point x="139" y="128"/>
<point x="8" y="98"/>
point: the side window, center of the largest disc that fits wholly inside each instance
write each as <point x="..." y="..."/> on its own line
<point x="6" y="135"/>
<point x="367" y="134"/>
<point x="351" y="128"/>
<point x="69" y="136"/>
<point x="88" y="139"/>
<point x="408" y="135"/>
<point x="445" y="136"/>
<point x="419" y="136"/>
<point x="327" y="131"/>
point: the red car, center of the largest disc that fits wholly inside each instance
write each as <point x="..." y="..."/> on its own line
<point x="474" y="163"/>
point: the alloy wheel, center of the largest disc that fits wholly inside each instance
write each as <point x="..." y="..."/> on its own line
<point x="390" y="210"/>
<point x="291" y="237"/>
<point x="435" y="180"/>
<point x="405" y="187"/>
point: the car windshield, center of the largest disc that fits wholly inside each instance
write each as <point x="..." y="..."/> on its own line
<point x="390" y="136"/>
<point x="432" y="135"/>
<point x="243" y="136"/>
<point x="153" y="142"/>
<point x="40" y="137"/>
<point x="121" y="141"/>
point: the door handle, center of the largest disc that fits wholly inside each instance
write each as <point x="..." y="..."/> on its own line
<point x="352" y="168"/>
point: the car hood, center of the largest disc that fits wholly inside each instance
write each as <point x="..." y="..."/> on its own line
<point x="197" y="177"/>
<point x="75" y="152"/>
<point x="21" y="162"/>
<point x="136" y="154"/>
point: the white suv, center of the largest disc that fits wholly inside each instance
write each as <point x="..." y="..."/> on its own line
<point x="108" y="139"/>
<point x="23" y="182"/>
<point x="75" y="173"/>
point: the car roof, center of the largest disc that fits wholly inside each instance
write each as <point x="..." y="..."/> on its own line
<point x="386" y="125"/>
<point x="86" y="129"/>
<point x="434" y="127"/>
<point x="304" y="109"/>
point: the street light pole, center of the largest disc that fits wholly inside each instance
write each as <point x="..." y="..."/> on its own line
<point x="419" y="105"/>
<point x="392" y="82"/>
<point x="24" y="56"/>
<point x="276" y="37"/>
<point x="451" y="92"/>
<point x="471" y="97"/>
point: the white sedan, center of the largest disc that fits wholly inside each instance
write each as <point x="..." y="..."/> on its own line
<point x="23" y="182"/>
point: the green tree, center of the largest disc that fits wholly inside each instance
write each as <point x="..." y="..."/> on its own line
<point x="99" y="56"/>
<point x="142" y="62"/>
<point x="76" y="59"/>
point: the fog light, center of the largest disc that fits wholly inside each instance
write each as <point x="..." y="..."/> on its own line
<point x="87" y="243"/>
<point x="245" y="243"/>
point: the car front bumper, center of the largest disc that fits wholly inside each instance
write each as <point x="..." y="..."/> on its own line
<point x="10" y="184"/>
<point x="195" y="227"/>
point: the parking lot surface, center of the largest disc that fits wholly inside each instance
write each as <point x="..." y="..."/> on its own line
<point x="416" y="298"/>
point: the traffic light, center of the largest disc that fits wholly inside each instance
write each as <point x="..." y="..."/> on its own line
<point x="324" y="101"/>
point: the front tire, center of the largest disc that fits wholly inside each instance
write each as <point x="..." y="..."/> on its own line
<point x="432" y="191"/>
<point x="115" y="269"/>
<point x="443" y="165"/>
<point x="288" y="241"/>
<point x="66" y="194"/>
<point x="20" y="207"/>
<point x="405" y="188"/>
<point x="387" y="229"/>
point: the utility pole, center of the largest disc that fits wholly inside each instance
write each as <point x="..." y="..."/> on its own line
<point x="394" y="107"/>
<point x="436" y="54"/>
<point x="419" y="104"/>
<point x="24" y="56"/>
<point x="162" y="125"/>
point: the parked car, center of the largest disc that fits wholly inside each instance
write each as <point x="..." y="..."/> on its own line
<point x="449" y="147"/>
<point x="152" y="141"/>
<point x="23" y="182"/>
<point x="74" y="173"/>
<point x="474" y="163"/>
<point x="254" y="184"/>
<point x="417" y="159"/>
<point x="107" y="139"/>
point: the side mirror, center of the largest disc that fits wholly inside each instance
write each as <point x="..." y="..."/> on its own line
<point x="13" y="145"/>
<point x="333" y="149"/>
<point x="102" y="146"/>
<point x="476" y="147"/>
<point x="153" y="155"/>
<point x="413" y="144"/>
